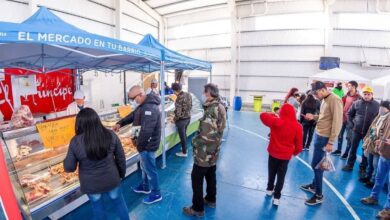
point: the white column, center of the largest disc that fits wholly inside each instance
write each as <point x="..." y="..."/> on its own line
<point x="32" y="6"/>
<point x="328" y="29"/>
<point x="233" y="49"/>
<point x="118" y="18"/>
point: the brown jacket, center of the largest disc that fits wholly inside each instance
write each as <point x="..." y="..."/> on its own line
<point x="383" y="149"/>
<point x="330" y="119"/>
<point x="369" y="141"/>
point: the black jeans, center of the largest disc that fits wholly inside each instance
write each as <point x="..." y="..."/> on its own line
<point x="197" y="176"/>
<point x="277" y="168"/>
<point x="344" y="129"/>
<point x="182" y="126"/>
<point x="356" y="138"/>
<point x="308" y="130"/>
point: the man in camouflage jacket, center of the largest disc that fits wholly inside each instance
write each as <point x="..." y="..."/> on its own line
<point x="206" y="146"/>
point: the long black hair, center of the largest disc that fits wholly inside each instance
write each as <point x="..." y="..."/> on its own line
<point x="310" y="102"/>
<point x="97" y="138"/>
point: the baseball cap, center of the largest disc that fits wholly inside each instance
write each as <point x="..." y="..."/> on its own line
<point x="368" y="89"/>
<point x="79" y="95"/>
<point x="154" y="81"/>
<point x="317" y="86"/>
<point x="385" y="104"/>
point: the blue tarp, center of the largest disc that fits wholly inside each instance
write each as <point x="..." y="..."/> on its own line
<point x="174" y="60"/>
<point x="44" y="43"/>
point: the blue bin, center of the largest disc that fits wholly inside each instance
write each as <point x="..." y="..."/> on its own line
<point x="237" y="103"/>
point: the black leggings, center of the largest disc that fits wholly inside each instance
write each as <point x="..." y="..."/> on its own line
<point x="182" y="126"/>
<point x="277" y="168"/>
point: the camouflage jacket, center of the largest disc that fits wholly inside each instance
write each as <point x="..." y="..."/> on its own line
<point x="206" y="144"/>
<point x="183" y="106"/>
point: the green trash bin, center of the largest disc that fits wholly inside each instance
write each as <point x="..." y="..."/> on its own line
<point x="257" y="103"/>
<point x="276" y="103"/>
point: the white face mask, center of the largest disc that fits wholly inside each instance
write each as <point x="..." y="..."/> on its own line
<point x="134" y="104"/>
<point x="383" y="111"/>
<point x="204" y="99"/>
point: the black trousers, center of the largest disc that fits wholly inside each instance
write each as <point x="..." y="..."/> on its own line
<point x="308" y="130"/>
<point x="197" y="176"/>
<point x="277" y="168"/>
<point x="356" y="138"/>
<point x="182" y="126"/>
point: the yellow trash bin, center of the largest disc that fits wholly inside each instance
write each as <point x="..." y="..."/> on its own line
<point x="276" y="103"/>
<point x="257" y="103"/>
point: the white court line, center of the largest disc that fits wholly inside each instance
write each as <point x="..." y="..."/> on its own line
<point x="338" y="194"/>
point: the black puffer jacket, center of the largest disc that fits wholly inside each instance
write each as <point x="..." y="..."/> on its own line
<point x="148" y="116"/>
<point x="96" y="176"/>
<point x="362" y="114"/>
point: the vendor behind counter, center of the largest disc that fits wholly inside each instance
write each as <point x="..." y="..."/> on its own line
<point x="78" y="104"/>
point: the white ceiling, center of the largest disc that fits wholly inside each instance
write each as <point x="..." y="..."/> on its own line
<point x="169" y="7"/>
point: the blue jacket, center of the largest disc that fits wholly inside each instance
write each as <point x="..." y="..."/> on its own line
<point x="148" y="116"/>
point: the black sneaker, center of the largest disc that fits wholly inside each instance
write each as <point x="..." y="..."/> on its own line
<point x="369" y="184"/>
<point x="364" y="179"/>
<point x="344" y="157"/>
<point x="347" y="168"/>
<point x="336" y="153"/>
<point x="308" y="188"/>
<point x="315" y="200"/>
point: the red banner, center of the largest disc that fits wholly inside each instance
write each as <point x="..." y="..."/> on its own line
<point x="54" y="92"/>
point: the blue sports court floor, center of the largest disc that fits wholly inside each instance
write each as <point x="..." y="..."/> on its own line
<point x="242" y="179"/>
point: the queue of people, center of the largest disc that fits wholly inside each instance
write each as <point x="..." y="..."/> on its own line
<point x="99" y="157"/>
<point x="333" y="116"/>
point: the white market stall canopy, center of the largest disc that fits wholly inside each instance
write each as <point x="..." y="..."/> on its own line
<point x="382" y="87"/>
<point x="338" y="75"/>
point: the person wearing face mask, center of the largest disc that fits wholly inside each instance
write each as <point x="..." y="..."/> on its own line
<point x="206" y="146"/>
<point x="78" y="104"/>
<point x="382" y="147"/>
<point x="375" y="132"/>
<point x="360" y="116"/>
<point x="338" y="90"/>
<point x="147" y="115"/>
<point x="153" y="88"/>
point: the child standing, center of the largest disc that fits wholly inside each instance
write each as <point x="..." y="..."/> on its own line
<point x="285" y="141"/>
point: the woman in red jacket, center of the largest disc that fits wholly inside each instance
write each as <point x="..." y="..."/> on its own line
<point x="285" y="141"/>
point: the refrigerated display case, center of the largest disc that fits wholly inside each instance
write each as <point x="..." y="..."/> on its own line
<point x="37" y="174"/>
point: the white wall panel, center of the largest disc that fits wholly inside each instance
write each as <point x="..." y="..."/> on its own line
<point x="370" y="73"/>
<point x="131" y="37"/>
<point x="362" y="21"/>
<point x="299" y="53"/>
<point x="187" y="5"/>
<point x="289" y="37"/>
<point x="300" y="69"/>
<point x="199" y="29"/>
<point x="362" y="38"/>
<point x="211" y="55"/>
<point x="354" y="6"/>
<point x="358" y="54"/>
<point x="9" y="14"/>
<point x="222" y="40"/>
<point x="287" y="21"/>
<point x="134" y="11"/>
<point x="221" y="68"/>
<point x="280" y="7"/>
<point x="138" y="26"/>
<point x="190" y="18"/>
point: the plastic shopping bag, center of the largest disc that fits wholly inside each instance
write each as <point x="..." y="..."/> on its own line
<point x="326" y="164"/>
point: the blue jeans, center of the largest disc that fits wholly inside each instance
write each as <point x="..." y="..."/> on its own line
<point x="319" y="153"/>
<point x="372" y="166"/>
<point x="116" y="197"/>
<point x="382" y="175"/>
<point x="149" y="172"/>
<point x="344" y="129"/>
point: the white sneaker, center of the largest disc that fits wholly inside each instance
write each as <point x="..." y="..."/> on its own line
<point x="180" y="154"/>
<point x="269" y="192"/>
<point x="276" y="202"/>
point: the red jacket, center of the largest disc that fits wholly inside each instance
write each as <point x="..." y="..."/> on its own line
<point x="286" y="133"/>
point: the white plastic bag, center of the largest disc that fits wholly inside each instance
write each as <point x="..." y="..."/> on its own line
<point x="326" y="164"/>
